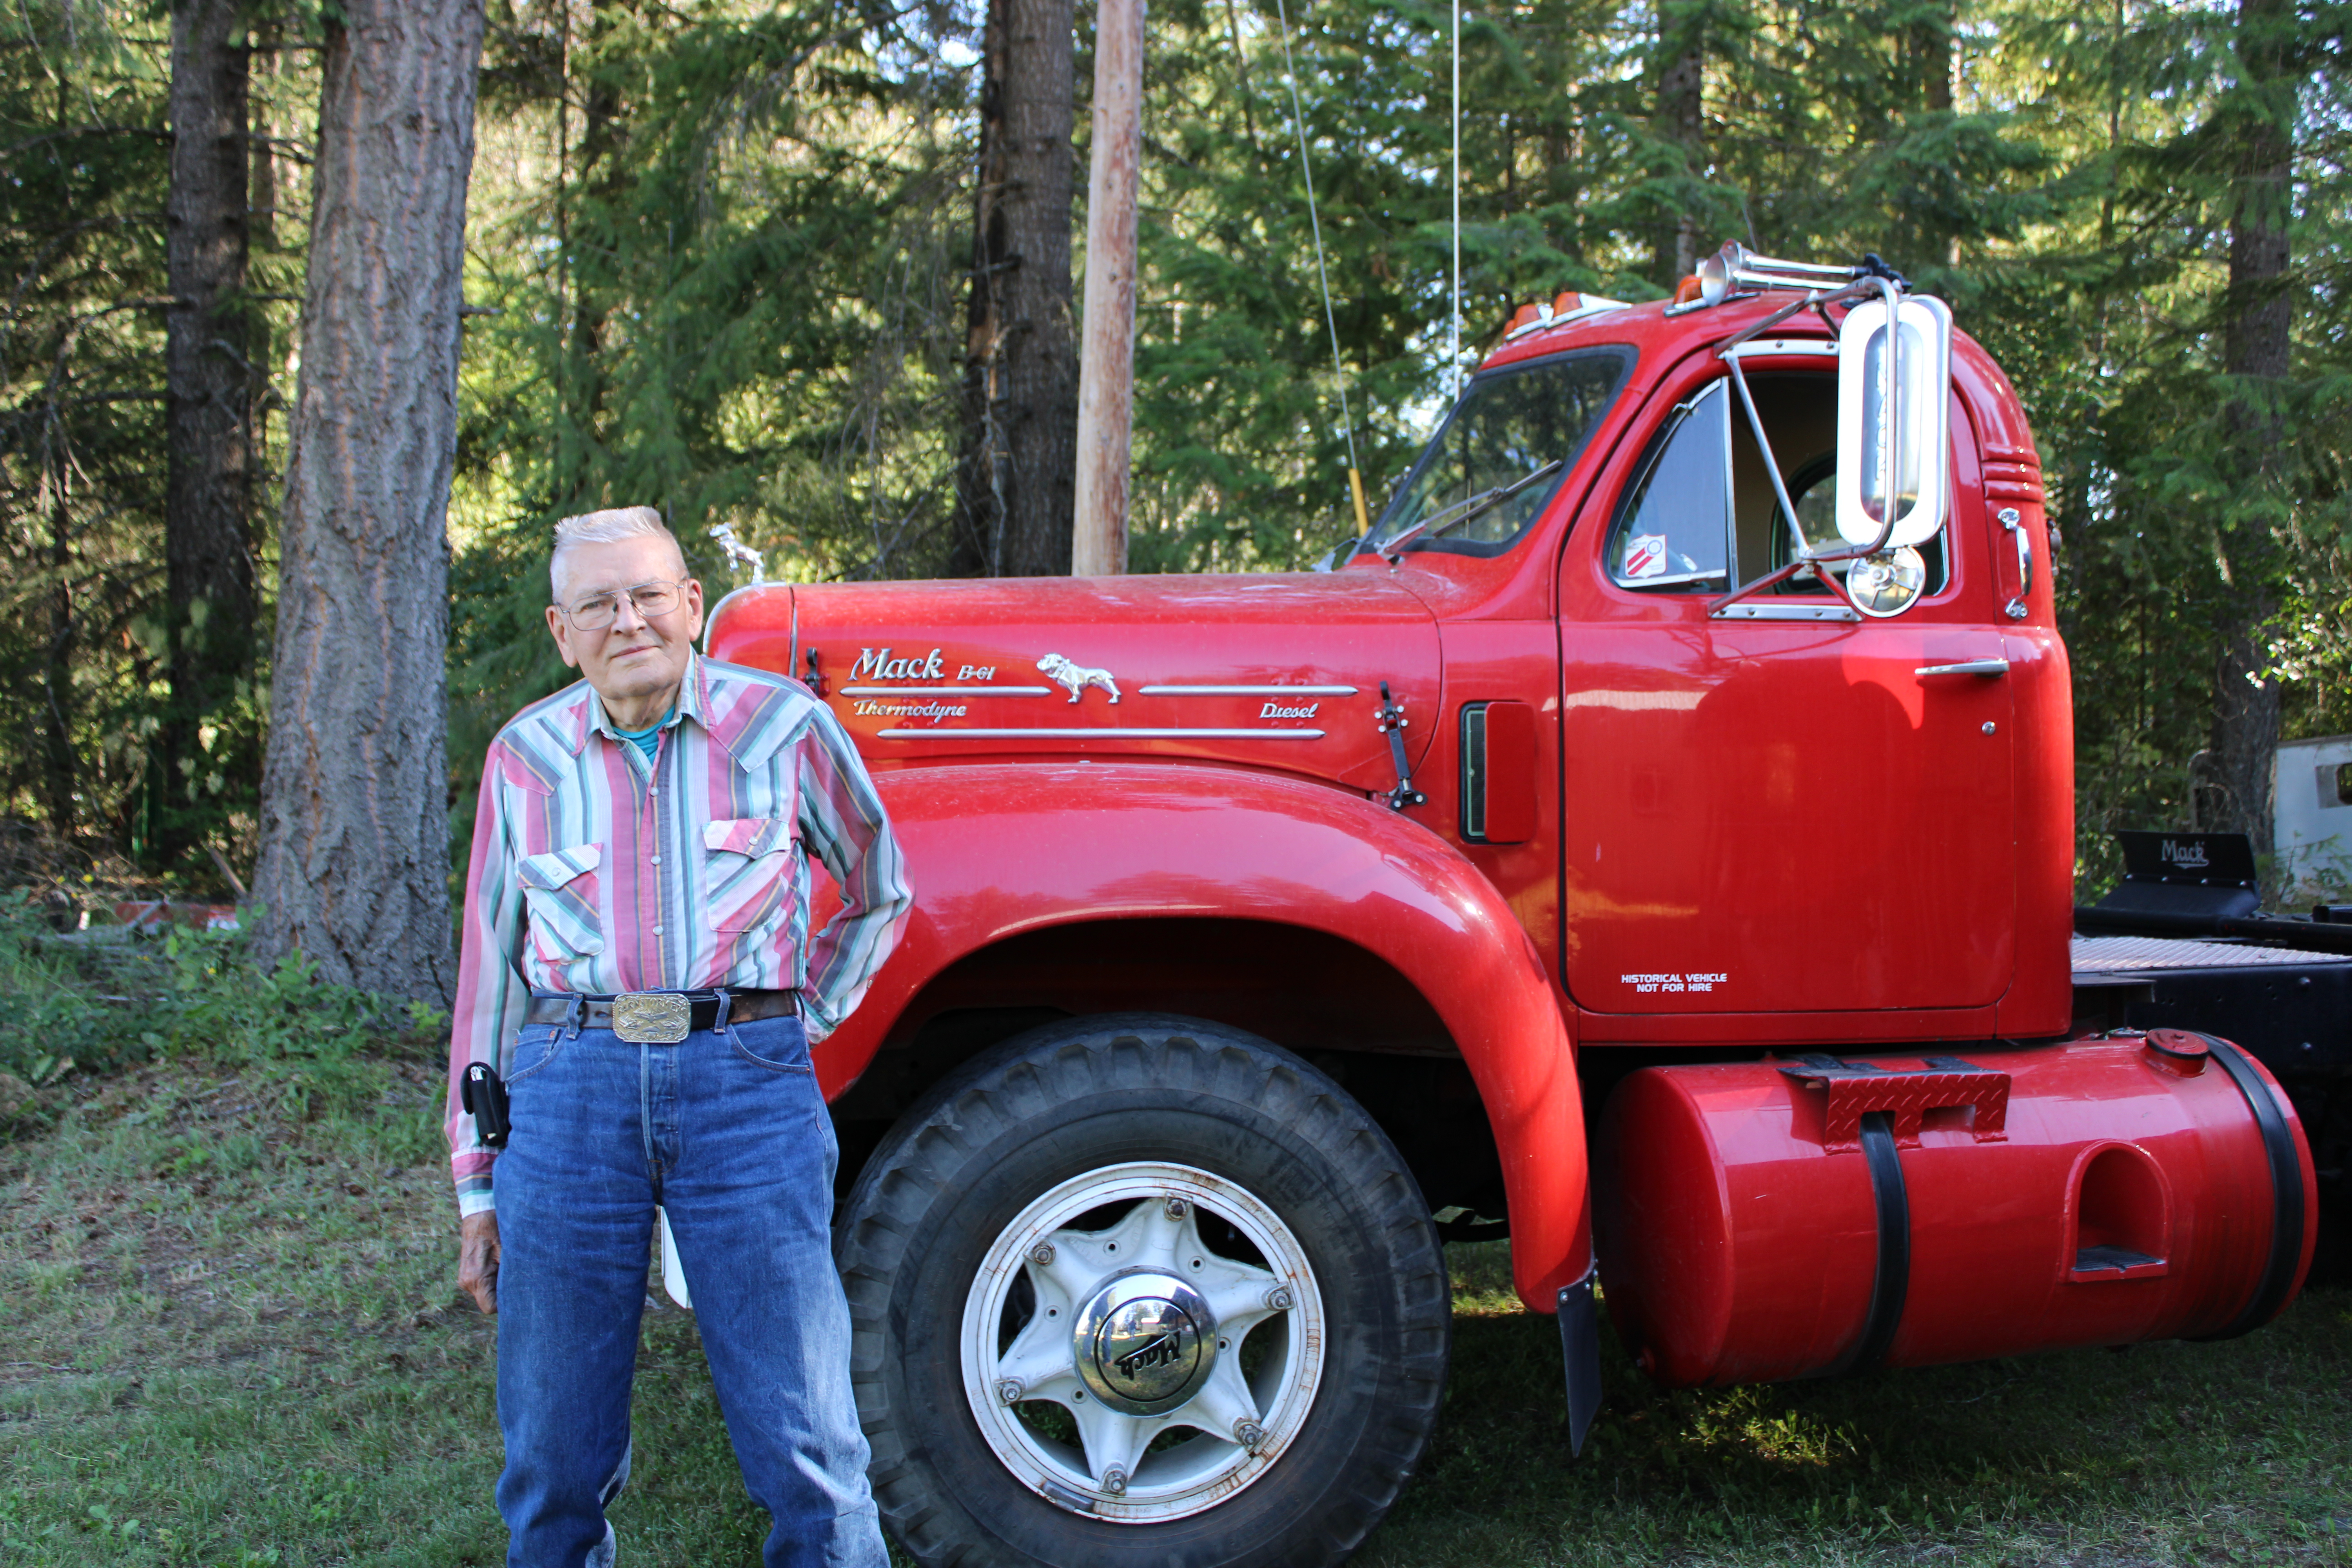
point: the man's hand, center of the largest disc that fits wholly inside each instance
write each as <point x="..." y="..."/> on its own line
<point x="477" y="1258"/>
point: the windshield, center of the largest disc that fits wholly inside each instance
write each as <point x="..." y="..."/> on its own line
<point x="1521" y="427"/>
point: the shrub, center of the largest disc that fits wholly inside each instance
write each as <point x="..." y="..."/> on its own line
<point x="97" y="1001"/>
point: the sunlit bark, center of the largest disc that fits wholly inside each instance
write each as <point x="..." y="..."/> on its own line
<point x="354" y="855"/>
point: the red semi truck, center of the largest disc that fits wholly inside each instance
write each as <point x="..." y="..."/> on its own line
<point x="1655" y="838"/>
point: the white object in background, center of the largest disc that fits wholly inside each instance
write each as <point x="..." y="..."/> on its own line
<point x="673" y="1275"/>
<point x="2313" y="831"/>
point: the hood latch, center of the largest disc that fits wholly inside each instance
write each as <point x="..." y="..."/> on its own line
<point x="1393" y="722"/>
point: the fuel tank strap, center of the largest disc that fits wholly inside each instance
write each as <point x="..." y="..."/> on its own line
<point x="2286" y="1193"/>
<point x="1891" y="1284"/>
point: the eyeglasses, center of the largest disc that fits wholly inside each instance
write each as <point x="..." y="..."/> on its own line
<point x="649" y="599"/>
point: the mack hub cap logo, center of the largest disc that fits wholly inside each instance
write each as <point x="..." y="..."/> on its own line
<point x="1148" y="1348"/>
<point x="1157" y="1353"/>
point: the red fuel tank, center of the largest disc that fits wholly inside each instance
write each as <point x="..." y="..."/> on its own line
<point x="1805" y="1216"/>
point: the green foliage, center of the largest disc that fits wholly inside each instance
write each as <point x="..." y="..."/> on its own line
<point x="85" y="149"/>
<point x="722" y="247"/>
<point x="81" y="418"/>
<point x="97" y="1002"/>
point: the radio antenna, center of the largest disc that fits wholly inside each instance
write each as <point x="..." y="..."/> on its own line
<point x="1453" y="322"/>
<point x="1322" y="277"/>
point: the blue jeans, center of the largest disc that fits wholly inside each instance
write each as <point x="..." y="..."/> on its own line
<point x="727" y="1131"/>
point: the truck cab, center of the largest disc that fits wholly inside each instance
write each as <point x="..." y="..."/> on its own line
<point x="1652" y="839"/>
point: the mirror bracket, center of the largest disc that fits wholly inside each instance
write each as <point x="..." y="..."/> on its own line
<point x="1872" y="282"/>
<point x="1803" y="554"/>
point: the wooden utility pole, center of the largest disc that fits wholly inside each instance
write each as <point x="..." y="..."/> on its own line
<point x="1107" y="357"/>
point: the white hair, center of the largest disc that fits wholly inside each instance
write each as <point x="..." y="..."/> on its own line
<point x="607" y="527"/>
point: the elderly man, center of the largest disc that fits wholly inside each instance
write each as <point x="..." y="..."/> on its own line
<point x="638" y="969"/>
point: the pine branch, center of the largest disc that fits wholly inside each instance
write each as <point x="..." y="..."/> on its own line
<point x="67" y="133"/>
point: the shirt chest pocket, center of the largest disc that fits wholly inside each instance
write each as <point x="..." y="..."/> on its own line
<point x="564" y="887"/>
<point x="748" y="864"/>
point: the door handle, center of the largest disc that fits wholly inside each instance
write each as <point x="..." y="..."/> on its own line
<point x="1967" y="667"/>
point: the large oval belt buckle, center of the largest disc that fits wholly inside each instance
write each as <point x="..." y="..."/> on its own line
<point x="651" y="1017"/>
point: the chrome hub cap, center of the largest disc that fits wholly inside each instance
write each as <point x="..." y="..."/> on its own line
<point x="1142" y="1342"/>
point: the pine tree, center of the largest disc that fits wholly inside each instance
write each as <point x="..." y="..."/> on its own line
<point x="353" y="866"/>
<point x="1015" y="486"/>
<point x="209" y="379"/>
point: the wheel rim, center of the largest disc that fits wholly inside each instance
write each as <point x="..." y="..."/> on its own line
<point x="1142" y="1341"/>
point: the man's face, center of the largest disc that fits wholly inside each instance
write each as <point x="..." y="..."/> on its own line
<point x="635" y="658"/>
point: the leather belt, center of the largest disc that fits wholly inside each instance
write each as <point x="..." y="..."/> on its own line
<point x="661" y="1018"/>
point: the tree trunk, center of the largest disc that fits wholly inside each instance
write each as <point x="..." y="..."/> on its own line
<point x="1931" y="48"/>
<point x="1016" y="482"/>
<point x="61" y="767"/>
<point x="355" y="824"/>
<point x="1922" y="238"/>
<point x="207" y="381"/>
<point x="1680" y="121"/>
<point x="2257" y="324"/>
<point x="261" y="162"/>
<point x="261" y="238"/>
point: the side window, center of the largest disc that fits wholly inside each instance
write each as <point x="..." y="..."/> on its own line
<point x="1673" y="529"/>
<point x="1702" y="514"/>
<point x="1799" y="412"/>
<point x="1814" y="489"/>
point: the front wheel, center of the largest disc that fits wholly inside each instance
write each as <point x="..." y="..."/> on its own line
<point x="1139" y="1287"/>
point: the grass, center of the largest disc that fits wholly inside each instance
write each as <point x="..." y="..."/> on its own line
<point x="235" y="1339"/>
<point x="232" y="1338"/>
<point x="2164" y="1454"/>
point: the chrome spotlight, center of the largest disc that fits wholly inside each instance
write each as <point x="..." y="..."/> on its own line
<point x="1888" y="583"/>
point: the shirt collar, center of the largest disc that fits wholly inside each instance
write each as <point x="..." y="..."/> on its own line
<point x="693" y="702"/>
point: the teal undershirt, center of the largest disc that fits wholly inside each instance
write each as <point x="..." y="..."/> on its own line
<point x="645" y="739"/>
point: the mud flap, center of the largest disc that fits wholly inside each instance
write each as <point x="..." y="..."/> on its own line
<point x="1579" y="1346"/>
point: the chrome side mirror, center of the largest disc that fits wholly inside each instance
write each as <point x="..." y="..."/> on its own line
<point x="1894" y="443"/>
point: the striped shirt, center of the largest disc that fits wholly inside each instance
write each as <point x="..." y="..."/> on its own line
<point x="595" y="872"/>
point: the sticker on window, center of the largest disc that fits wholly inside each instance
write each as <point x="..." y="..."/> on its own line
<point x="1645" y="555"/>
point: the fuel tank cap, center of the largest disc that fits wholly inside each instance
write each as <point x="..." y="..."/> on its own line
<point x="2177" y="1050"/>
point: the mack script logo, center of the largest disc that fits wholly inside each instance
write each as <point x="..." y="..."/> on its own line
<point x="2188" y="857"/>
<point x="876" y="664"/>
<point x="1161" y="1351"/>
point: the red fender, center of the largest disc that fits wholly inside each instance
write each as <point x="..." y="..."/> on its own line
<point x="994" y="850"/>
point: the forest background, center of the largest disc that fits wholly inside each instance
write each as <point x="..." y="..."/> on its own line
<point x="777" y="266"/>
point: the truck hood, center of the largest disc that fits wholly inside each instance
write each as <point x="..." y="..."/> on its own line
<point x="1280" y="671"/>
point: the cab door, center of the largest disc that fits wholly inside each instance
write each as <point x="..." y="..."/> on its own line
<point x="1792" y="812"/>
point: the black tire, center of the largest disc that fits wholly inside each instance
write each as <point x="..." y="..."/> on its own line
<point x="1079" y="1096"/>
